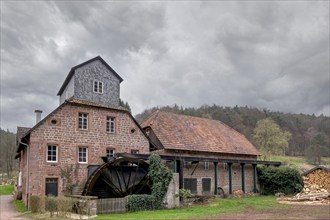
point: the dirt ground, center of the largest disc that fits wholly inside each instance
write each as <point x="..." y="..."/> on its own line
<point x="308" y="212"/>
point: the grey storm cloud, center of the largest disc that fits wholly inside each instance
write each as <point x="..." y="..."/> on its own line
<point x="266" y="54"/>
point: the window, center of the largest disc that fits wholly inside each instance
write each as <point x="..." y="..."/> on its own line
<point x="82" y="154"/>
<point x="83" y="121"/>
<point x="206" y="185"/>
<point x="52" y="153"/>
<point x="206" y="165"/>
<point x="190" y="183"/>
<point x="51" y="186"/>
<point x="134" y="151"/>
<point x="98" y="87"/>
<point x="111" y="124"/>
<point x="110" y="152"/>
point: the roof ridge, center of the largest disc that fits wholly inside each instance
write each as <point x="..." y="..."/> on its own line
<point x="153" y="116"/>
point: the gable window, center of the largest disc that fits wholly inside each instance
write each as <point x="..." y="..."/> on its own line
<point x="52" y="153"/>
<point x="83" y="121"/>
<point x="111" y="124"/>
<point x="82" y="154"/>
<point x="98" y="86"/>
<point x="110" y="152"/>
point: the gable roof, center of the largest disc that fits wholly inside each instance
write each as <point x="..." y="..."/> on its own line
<point x="316" y="168"/>
<point x="71" y="73"/>
<point x="181" y="132"/>
<point x="23" y="133"/>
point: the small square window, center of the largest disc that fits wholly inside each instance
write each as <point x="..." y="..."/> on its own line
<point x="111" y="123"/>
<point x="82" y="154"/>
<point x="52" y="153"/>
<point x="110" y="152"/>
<point x="98" y="87"/>
<point x="83" y="121"/>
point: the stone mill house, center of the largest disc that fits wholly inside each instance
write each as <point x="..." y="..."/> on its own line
<point x="89" y="124"/>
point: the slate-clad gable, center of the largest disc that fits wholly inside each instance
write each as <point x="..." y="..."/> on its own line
<point x="80" y="80"/>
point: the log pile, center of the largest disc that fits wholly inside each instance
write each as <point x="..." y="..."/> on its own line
<point x="318" y="179"/>
<point x="316" y="188"/>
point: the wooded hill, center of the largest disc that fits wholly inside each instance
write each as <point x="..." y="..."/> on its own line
<point x="243" y="119"/>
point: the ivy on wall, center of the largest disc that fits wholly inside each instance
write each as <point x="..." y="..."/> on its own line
<point x="160" y="177"/>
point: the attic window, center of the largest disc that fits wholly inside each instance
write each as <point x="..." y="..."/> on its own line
<point x="98" y="86"/>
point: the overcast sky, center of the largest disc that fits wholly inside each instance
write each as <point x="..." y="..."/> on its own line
<point x="265" y="54"/>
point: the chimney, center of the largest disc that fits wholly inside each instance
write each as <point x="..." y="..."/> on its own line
<point x="38" y="116"/>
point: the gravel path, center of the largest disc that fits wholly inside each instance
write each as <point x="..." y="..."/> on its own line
<point x="7" y="210"/>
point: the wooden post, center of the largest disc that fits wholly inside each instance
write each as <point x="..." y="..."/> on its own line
<point x="174" y="166"/>
<point x="243" y="176"/>
<point x="254" y="178"/>
<point x="215" y="178"/>
<point x="230" y="180"/>
<point x="181" y="174"/>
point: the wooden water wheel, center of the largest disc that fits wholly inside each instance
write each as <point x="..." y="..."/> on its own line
<point x="119" y="178"/>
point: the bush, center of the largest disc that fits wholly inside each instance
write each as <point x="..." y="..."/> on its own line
<point x="140" y="202"/>
<point x="184" y="193"/>
<point x="279" y="179"/>
<point x="64" y="205"/>
<point x="37" y="204"/>
<point x="51" y="205"/>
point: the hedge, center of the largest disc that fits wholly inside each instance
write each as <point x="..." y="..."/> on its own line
<point x="140" y="202"/>
<point x="279" y="179"/>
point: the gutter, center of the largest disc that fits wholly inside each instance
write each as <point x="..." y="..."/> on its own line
<point x="27" y="171"/>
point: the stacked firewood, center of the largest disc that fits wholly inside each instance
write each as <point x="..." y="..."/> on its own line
<point x="316" y="187"/>
<point x="318" y="177"/>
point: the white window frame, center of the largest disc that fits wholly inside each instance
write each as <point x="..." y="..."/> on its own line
<point x="83" y="121"/>
<point x="111" y="124"/>
<point x="206" y="165"/>
<point x="108" y="152"/>
<point x="98" y="87"/>
<point x="56" y="153"/>
<point x="81" y="156"/>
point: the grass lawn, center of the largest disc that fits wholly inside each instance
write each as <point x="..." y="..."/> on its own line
<point x="213" y="209"/>
<point x="6" y="190"/>
<point x="298" y="163"/>
<point x="19" y="206"/>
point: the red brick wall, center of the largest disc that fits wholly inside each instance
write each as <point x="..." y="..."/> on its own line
<point x="67" y="136"/>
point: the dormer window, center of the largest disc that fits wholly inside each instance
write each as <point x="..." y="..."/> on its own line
<point x="97" y="86"/>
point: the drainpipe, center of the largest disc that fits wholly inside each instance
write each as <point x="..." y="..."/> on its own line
<point x="27" y="171"/>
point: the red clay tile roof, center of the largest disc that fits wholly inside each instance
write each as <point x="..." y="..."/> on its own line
<point x="181" y="132"/>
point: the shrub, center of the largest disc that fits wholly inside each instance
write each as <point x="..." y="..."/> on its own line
<point x="140" y="202"/>
<point x="184" y="193"/>
<point x="279" y="179"/>
<point x="37" y="204"/>
<point x="51" y="205"/>
<point x="64" y="205"/>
